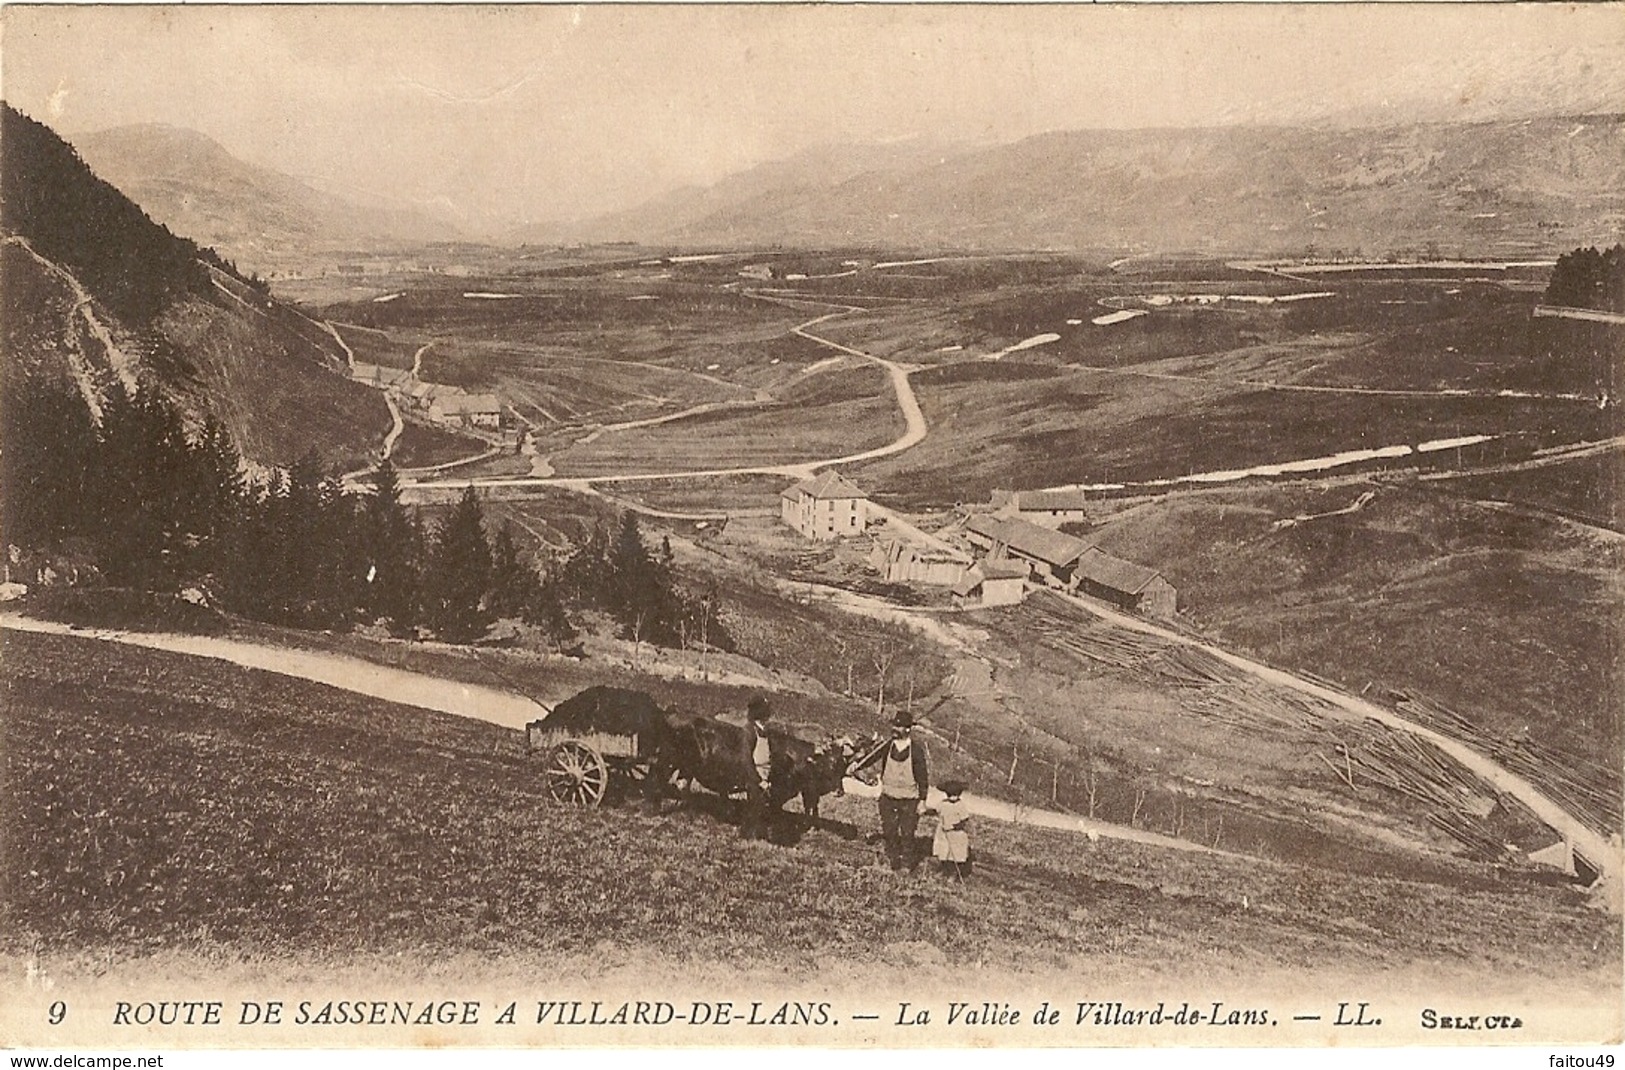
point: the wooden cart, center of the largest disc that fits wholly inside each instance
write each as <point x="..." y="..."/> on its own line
<point x="581" y="767"/>
<point x="598" y="742"/>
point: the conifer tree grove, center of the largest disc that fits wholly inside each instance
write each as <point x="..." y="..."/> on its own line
<point x="459" y="574"/>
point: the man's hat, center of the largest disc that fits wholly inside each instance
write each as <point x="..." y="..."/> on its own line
<point x="758" y="709"/>
<point x="902" y="719"/>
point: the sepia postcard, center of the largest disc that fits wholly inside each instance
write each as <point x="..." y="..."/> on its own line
<point x="857" y="527"/>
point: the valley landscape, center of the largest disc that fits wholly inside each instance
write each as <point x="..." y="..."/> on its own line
<point x="1300" y="442"/>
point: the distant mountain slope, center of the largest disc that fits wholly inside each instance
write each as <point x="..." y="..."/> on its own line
<point x="760" y="190"/>
<point x="190" y="183"/>
<point x="97" y="297"/>
<point x="1551" y="182"/>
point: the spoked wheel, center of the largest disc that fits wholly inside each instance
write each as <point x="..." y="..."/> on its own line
<point x="576" y="774"/>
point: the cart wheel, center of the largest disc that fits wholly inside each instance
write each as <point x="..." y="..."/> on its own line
<point x="576" y="774"/>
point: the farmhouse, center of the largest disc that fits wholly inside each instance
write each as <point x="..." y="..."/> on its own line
<point x="470" y="410"/>
<point x="826" y="507"/>
<point x="992" y="583"/>
<point x="901" y="561"/>
<point x="421" y="393"/>
<point x="1046" y="508"/>
<point x="377" y="375"/>
<point x="1051" y="554"/>
<point x="1125" y="584"/>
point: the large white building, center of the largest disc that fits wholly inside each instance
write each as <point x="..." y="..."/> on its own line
<point x="825" y="507"/>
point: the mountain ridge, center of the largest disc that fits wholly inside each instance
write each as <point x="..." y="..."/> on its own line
<point x="1547" y="182"/>
<point x="194" y="185"/>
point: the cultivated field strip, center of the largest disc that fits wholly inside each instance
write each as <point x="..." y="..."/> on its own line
<point x="1357" y="753"/>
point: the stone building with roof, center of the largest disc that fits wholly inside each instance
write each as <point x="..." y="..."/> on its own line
<point x="470" y="410"/>
<point x="828" y="506"/>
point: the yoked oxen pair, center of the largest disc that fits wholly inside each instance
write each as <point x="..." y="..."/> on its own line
<point x="702" y="749"/>
<point x="718" y="755"/>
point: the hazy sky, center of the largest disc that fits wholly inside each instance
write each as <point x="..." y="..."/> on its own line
<point x="531" y="113"/>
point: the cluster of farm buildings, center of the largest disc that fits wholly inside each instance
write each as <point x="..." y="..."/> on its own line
<point x="444" y="404"/>
<point x="989" y="554"/>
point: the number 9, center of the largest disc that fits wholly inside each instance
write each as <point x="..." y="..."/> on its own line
<point x="58" y="1011"/>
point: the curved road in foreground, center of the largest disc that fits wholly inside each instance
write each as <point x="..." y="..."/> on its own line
<point x="499" y="707"/>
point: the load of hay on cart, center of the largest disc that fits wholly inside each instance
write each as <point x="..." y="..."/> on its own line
<point x="600" y="742"/>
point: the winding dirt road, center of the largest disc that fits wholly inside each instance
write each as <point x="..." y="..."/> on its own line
<point x="336" y="670"/>
<point x="117" y="360"/>
<point x="915" y="428"/>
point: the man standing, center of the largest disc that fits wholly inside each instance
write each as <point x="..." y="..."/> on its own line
<point x="757" y="804"/>
<point x="904" y="781"/>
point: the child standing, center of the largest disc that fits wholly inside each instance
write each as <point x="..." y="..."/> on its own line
<point x="951" y="845"/>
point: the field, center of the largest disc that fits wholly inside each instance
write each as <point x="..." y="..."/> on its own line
<point x="1586" y="489"/>
<point x="422" y="445"/>
<point x="372" y="346"/>
<point x="160" y="805"/>
<point x="834" y="412"/>
<point x="658" y="364"/>
<point x="1193" y="388"/>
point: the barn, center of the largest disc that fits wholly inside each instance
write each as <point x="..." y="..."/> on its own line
<point x="1046" y="508"/>
<point x="1125" y="584"/>
<point x="992" y="583"/>
<point x="1051" y="554"/>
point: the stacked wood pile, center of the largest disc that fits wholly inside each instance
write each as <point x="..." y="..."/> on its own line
<point x="1458" y="802"/>
<point x="1587" y="789"/>
<point x="1104" y="644"/>
<point x="1358" y="752"/>
<point x="1261" y="707"/>
<point x="1191" y="667"/>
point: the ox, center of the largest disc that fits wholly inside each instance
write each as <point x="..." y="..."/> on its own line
<point x="717" y="755"/>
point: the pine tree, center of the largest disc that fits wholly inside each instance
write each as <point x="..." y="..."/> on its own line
<point x="459" y="574"/>
<point x="515" y="584"/>
<point x="246" y="552"/>
<point x="390" y="554"/>
<point x="48" y="456"/>
<point x="139" y="489"/>
<point x="547" y="613"/>
<point x="631" y="572"/>
<point x="215" y="493"/>
<point x="586" y="571"/>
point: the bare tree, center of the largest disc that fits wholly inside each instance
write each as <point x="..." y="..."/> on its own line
<point x="882" y="657"/>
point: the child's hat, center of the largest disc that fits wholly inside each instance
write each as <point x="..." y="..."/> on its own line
<point x="952" y="786"/>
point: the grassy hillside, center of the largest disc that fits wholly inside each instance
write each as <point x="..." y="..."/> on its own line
<point x="154" y="801"/>
<point x="1510" y="620"/>
<point x="160" y="310"/>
